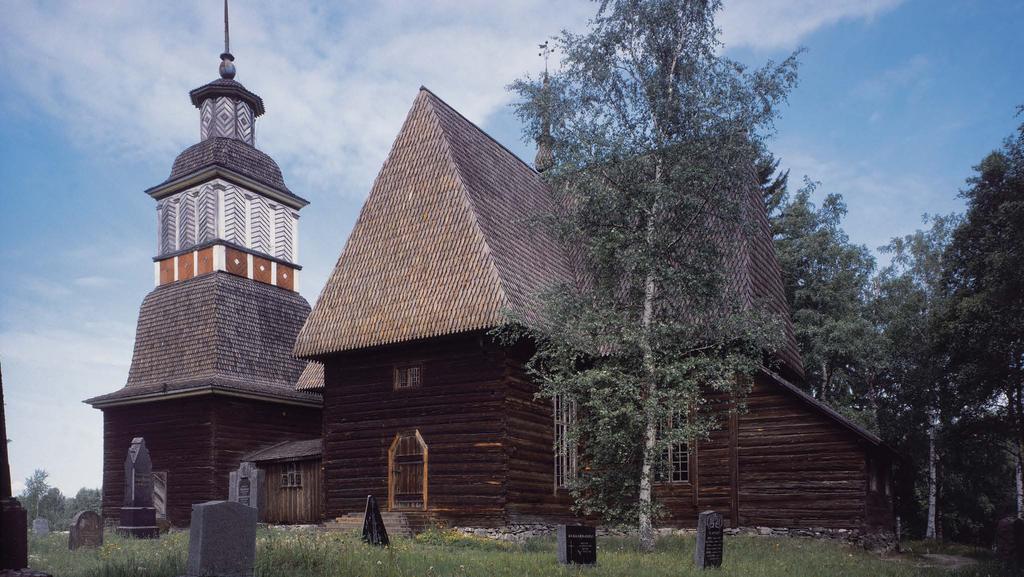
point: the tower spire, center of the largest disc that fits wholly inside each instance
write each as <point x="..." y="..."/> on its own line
<point x="227" y="61"/>
<point x="545" y="158"/>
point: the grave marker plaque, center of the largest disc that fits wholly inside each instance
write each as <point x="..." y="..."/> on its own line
<point x="374" y="531"/>
<point x="86" y="531"/>
<point x="244" y="485"/>
<point x="40" y="526"/>
<point x="222" y="540"/>
<point x="710" y="538"/>
<point x="577" y="545"/>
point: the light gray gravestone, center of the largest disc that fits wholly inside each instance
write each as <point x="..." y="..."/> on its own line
<point x="710" y="540"/>
<point x="222" y="540"/>
<point x="86" y="530"/>
<point x="40" y="526"/>
<point x="245" y="486"/>
<point x="138" y="517"/>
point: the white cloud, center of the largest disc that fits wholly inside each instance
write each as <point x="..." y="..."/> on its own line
<point x="775" y="24"/>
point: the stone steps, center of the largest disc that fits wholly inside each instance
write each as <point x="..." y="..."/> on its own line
<point x="397" y="523"/>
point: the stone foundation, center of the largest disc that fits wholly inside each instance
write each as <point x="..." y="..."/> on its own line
<point x="875" y="540"/>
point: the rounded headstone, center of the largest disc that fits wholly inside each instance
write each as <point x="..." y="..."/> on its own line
<point x="40" y="526"/>
<point x="86" y="530"/>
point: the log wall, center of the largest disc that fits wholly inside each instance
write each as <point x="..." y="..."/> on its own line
<point x="457" y="409"/>
<point x="198" y="441"/>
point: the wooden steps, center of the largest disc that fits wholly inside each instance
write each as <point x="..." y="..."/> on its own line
<point x="401" y="524"/>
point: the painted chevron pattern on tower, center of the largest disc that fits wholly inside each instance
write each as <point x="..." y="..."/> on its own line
<point x="186" y="221"/>
<point x="206" y="214"/>
<point x="260" y="222"/>
<point x="284" y="226"/>
<point x="235" y="222"/>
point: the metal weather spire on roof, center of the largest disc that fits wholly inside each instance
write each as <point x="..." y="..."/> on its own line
<point x="227" y="61"/>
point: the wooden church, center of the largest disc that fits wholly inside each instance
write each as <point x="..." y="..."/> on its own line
<point x="391" y="385"/>
<point x="422" y="406"/>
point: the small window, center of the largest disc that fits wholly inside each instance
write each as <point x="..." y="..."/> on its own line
<point x="565" y="451"/>
<point x="292" y="476"/>
<point x="676" y="456"/>
<point x="408" y="377"/>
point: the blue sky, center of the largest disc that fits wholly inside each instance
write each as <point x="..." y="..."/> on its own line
<point x="897" y="101"/>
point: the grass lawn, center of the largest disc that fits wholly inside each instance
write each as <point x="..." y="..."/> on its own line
<point x="314" y="554"/>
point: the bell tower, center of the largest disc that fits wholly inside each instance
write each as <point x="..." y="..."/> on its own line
<point x="225" y="206"/>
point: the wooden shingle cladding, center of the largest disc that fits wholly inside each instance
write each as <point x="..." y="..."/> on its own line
<point x="197" y="441"/>
<point x="447" y="241"/>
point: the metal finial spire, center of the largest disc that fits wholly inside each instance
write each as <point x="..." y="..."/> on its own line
<point x="227" y="61"/>
<point x="545" y="142"/>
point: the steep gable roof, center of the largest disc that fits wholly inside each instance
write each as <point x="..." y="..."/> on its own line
<point x="446" y="242"/>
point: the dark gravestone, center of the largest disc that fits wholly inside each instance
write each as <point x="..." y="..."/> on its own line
<point x="13" y="518"/>
<point x="577" y="544"/>
<point x="86" y="531"/>
<point x="222" y="540"/>
<point x="138" y="517"/>
<point x="1010" y="540"/>
<point x="374" y="531"/>
<point x="709" y="540"/>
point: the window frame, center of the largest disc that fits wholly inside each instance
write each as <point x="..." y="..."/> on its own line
<point x="291" y="477"/>
<point x="673" y="454"/>
<point x="402" y="373"/>
<point x="566" y="467"/>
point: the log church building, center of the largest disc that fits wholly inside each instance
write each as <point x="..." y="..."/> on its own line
<point x="391" y="385"/>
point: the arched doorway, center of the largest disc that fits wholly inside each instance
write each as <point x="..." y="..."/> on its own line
<point x="407" y="472"/>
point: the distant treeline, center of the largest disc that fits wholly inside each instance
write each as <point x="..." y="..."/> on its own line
<point x="41" y="500"/>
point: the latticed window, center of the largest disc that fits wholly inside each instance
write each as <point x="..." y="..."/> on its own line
<point x="292" y="475"/>
<point x="676" y="455"/>
<point x="408" y="377"/>
<point x="565" y="450"/>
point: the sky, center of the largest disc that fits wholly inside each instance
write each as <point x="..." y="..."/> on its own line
<point x="897" y="100"/>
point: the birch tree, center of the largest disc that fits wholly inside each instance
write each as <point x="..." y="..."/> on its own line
<point x="655" y="137"/>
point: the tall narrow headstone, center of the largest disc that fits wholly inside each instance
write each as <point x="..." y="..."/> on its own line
<point x="245" y="486"/>
<point x="222" y="540"/>
<point x="710" y="536"/>
<point x="374" y="531"/>
<point x="577" y="545"/>
<point x="86" y="531"/>
<point x="13" y="518"/>
<point x="138" y="517"/>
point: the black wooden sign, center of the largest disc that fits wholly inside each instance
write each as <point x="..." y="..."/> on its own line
<point x="577" y="544"/>
<point x="374" y="532"/>
<point x="709" y="540"/>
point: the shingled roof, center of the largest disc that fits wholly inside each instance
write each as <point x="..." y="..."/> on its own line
<point x="216" y="332"/>
<point x="312" y="378"/>
<point x="448" y="239"/>
<point x="233" y="155"/>
<point x="445" y="243"/>
<point x="286" y="451"/>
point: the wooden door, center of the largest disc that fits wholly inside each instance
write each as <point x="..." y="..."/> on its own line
<point x="407" y="467"/>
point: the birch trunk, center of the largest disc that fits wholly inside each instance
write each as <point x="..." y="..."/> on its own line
<point x="646" y="526"/>
<point x="930" y="532"/>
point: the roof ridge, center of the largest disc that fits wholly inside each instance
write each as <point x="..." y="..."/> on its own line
<point x="468" y="198"/>
<point x="477" y="127"/>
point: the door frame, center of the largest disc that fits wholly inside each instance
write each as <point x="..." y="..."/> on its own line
<point x="391" y="467"/>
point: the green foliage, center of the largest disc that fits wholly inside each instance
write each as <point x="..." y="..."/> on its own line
<point x="827" y="282"/>
<point x="293" y="553"/>
<point x="42" y="500"/>
<point x="656" y="143"/>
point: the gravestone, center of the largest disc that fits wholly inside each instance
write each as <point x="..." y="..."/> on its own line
<point x="1010" y="540"/>
<point x="86" y="531"/>
<point x="709" y="540"/>
<point x="577" y="544"/>
<point x="40" y="526"/>
<point x="138" y="517"/>
<point x="160" y="495"/>
<point x="374" y="531"/>
<point x="13" y="517"/>
<point x="245" y="486"/>
<point x="222" y="540"/>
